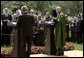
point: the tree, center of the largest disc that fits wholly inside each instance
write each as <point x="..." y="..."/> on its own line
<point x="43" y="6"/>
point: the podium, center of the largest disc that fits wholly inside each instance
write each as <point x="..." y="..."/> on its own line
<point x="17" y="41"/>
<point x="14" y="39"/>
<point x="49" y="41"/>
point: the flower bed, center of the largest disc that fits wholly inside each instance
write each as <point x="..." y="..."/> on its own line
<point x="69" y="46"/>
<point x="37" y="49"/>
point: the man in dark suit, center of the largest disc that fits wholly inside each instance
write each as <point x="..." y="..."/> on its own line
<point x="6" y="30"/>
<point x="25" y="32"/>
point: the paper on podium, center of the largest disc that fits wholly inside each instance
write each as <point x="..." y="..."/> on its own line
<point x="11" y="24"/>
<point x="14" y="23"/>
<point x="49" y="22"/>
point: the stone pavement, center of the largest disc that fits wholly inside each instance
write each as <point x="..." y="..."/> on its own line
<point x="72" y="53"/>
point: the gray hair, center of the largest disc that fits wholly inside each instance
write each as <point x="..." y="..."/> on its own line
<point x="5" y="10"/>
<point x="24" y="9"/>
<point x="58" y="9"/>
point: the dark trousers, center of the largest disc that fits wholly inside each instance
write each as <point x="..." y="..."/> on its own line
<point x="72" y="38"/>
<point x="29" y="42"/>
<point x="77" y="37"/>
<point x="6" y="31"/>
<point x="24" y="48"/>
<point x="67" y="33"/>
<point x="72" y="34"/>
<point x="60" y="52"/>
<point x="5" y="40"/>
<point x="81" y="37"/>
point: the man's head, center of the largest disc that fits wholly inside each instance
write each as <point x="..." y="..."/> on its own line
<point x="24" y="9"/>
<point x="39" y="17"/>
<point x="47" y="15"/>
<point x="15" y="9"/>
<point x="32" y="11"/>
<point x="58" y="9"/>
<point x="5" y="10"/>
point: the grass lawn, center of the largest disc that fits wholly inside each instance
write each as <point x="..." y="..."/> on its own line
<point x="78" y="46"/>
<point x="5" y="46"/>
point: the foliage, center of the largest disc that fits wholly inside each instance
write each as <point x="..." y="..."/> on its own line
<point x="37" y="50"/>
<point x="75" y="46"/>
<point x="69" y="7"/>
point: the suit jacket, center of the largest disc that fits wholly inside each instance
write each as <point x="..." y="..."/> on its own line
<point x="25" y="25"/>
<point x="3" y="17"/>
<point x="5" y="28"/>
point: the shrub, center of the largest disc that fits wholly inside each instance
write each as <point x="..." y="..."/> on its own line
<point x="69" y="46"/>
